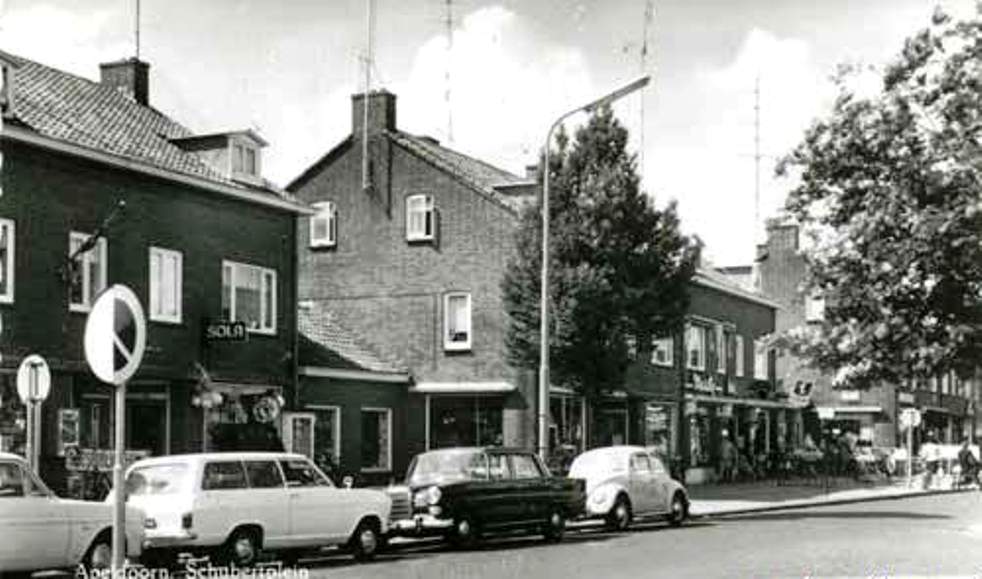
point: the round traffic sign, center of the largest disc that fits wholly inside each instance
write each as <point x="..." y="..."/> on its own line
<point x="33" y="379"/>
<point x="115" y="335"/>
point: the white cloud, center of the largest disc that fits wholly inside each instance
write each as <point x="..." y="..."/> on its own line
<point x="506" y="88"/>
<point x="711" y="172"/>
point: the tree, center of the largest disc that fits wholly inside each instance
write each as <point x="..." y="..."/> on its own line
<point x="889" y="185"/>
<point x="619" y="267"/>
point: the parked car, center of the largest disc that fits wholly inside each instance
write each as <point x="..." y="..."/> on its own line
<point x="624" y="482"/>
<point x="43" y="532"/>
<point x="464" y="493"/>
<point x="232" y="505"/>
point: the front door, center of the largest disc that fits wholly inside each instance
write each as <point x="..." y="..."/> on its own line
<point x="35" y="524"/>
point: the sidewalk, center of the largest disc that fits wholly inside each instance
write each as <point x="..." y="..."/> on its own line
<point x="728" y="499"/>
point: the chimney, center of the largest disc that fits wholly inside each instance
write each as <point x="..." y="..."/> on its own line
<point x="129" y="76"/>
<point x="531" y="172"/>
<point x="381" y="112"/>
<point x="782" y="236"/>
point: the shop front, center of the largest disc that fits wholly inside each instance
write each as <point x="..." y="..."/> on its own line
<point x="567" y="420"/>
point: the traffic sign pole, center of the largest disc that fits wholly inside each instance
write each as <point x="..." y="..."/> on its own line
<point x="29" y="435"/>
<point x="119" y="496"/>
<point x="910" y="455"/>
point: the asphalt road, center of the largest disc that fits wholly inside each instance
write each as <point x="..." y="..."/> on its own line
<point x="932" y="535"/>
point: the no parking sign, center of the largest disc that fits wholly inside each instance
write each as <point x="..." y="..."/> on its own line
<point x="115" y="335"/>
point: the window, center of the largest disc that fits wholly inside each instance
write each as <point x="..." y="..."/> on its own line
<point x="301" y="473"/>
<point x="324" y="225"/>
<point x="760" y="360"/>
<point x="720" y="350"/>
<point x="524" y="466"/>
<point x="457" y="321"/>
<point x="298" y="433"/>
<point x="814" y="309"/>
<point x="376" y="439"/>
<point x="657" y="467"/>
<point x="420" y="222"/>
<point x="263" y="474"/>
<point x="244" y="160"/>
<point x="327" y="437"/>
<point x="68" y="429"/>
<point x="249" y="295"/>
<point x="166" y="279"/>
<point x="640" y="464"/>
<point x="223" y="476"/>
<point x="11" y="480"/>
<point x="695" y="344"/>
<point x="663" y="352"/>
<point x="498" y="467"/>
<point x="87" y="271"/>
<point x="6" y="261"/>
<point x="738" y="340"/>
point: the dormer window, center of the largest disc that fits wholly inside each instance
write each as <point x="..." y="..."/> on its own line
<point x="245" y="160"/>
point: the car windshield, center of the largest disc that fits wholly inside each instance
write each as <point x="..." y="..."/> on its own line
<point x="158" y="479"/>
<point x="595" y="462"/>
<point x="447" y="466"/>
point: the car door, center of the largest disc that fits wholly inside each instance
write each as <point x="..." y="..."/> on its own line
<point x="531" y="489"/>
<point x="224" y="501"/>
<point x="269" y="501"/>
<point x="320" y="513"/>
<point x="35" y="523"/>
<point x="662" y="484"/>
<point x="641" y="484"/>
<point x="496" y="499"/>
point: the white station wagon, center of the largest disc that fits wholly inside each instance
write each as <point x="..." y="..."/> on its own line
<point x="624" y="482"/>
<point x="232" y="505"/>
<point x="39" y="531"/>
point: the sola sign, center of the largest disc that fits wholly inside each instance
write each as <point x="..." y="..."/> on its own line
<point x="115" y="335"/>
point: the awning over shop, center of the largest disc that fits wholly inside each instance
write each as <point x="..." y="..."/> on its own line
<point x="757" y="402"/>
<point x="463" y="388"/>
<point x="849" y="410"/>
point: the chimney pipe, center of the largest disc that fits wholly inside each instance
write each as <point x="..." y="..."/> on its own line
<point x="129" y="76"/>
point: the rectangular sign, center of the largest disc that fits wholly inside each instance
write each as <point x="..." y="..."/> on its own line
<point x="225" y="331"/>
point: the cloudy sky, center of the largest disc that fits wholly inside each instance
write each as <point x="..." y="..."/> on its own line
<point x="288" y="68"/>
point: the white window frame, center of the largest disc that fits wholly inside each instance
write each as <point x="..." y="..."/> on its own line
<point x="760" y="360"/>
<point x="336" y="411"/>
<point x="8" y="265"/>
<point x="814" y="308"/>
<point x="689" y="329"/>
<point x="236" y="266"/>
<point x="88" y="296"/>
<point x="388" y="425"/>
<point x="162" y="254"/>
<point x="667" y="345"/>
<point x="289" y="443"/>
<point x="233" y="150"/>
<point x="739" y="354"/>
<point x="326" y="211"/>
<point x="447" y="343"/>
<point x="428" y="206"/>
<point x="720" y="349"/>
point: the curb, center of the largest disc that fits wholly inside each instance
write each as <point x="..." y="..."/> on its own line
<point x="824" y="503"/>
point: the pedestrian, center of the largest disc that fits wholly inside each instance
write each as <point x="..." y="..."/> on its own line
<point x="728" y="458"/>
<point x="969" y="465"/>
<point x="930" y="453"/>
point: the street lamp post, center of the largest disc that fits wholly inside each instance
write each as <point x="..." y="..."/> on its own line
<point x="544" y="297"/>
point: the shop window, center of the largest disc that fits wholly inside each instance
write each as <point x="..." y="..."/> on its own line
<point x="465" y="421"/>
<point x="376" y="439"/>
<point x="13" y="417"/>
<point x="249" y="295"/>
<point x="720" y="350"/>
<point x="658" y="428"/>
<point x="457" y="321"/>
<point x="760" y="359"/>
<point x="87" y="271"/>
<point x="699" y="428"/>
<point x="566" y="424"/>
<point x="6" y="261"/>
<point x="166" y="278"/>
<point x="695" y="344"/>
<point x="68" y="429"/>
<point x="663" y="352"/>
<point x="327" y="437"/>
<point x="324" y="225"/>
<point x="738" y="355"/>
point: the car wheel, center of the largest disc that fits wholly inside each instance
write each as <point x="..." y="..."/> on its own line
<point x="619" y="517"/>
<point x="679" y="510"/>
<point x="555" y="526"/>
<point x="366" y="541"/>
<point x="242" y="548"/>
<point x="99" y="555"/>
<point x="465" y="533"/>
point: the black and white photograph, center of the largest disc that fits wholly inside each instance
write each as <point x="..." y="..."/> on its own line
<point x="467" y="289"/>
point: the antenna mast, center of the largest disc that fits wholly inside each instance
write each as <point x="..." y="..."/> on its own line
<point x="757" y="157"/>
<point x="449" y="24"/>
<point x="366" y="183"/>
<point x="649" y="12"/>
<point x="136" y="30"/>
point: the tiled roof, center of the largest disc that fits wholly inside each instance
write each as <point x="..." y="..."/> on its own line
<point x="326" y="342"/>
<point x="711" y="278"/>
<point x="476" y="173"/>
<point x="63" y="106"/>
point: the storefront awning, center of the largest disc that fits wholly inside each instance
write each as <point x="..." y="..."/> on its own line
<point x="757" y="402"/>
<point x="463" y="388"/>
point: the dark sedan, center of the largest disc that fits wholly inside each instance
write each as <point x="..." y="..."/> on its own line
<point x="463" y="493"/>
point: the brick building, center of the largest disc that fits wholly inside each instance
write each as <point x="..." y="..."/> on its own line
<point x="410" y="257"/>
<point x="948" y="403"/>
<point x="90" y="170"/>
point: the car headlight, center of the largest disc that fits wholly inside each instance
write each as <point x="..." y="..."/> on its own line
<point x="433" y="495"/>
